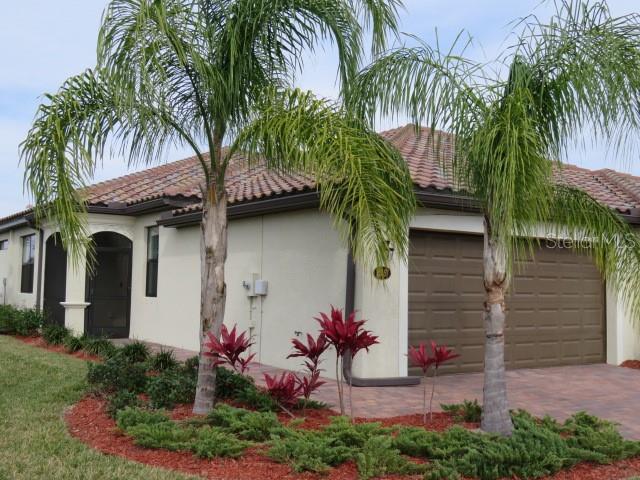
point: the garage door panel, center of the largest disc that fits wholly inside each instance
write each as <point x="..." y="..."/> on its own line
<point x="555" y="310"/>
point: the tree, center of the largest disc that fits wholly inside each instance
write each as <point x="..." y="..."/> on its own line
<point x="205" y="72"/>
<point x="513" y="125"/>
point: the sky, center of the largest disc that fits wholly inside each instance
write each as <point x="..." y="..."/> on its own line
<point x="42" y="43"/>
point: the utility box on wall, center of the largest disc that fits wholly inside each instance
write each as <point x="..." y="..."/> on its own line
<point x="260" y="287"/>
<point x="256" y="287"/>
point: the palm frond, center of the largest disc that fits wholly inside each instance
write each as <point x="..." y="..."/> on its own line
<point x="434" y="87"/>
<point x="60" y="152"/>
<point x="381" y="16"/>
<point x="583" y="68"/>
<point x="363" y="181"/>
<point x="599" y="231"/>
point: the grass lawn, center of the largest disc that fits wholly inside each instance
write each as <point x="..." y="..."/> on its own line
<point x="35" y="388"/>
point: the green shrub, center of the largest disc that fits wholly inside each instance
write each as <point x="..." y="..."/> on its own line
<point x="54" y="334"/>
<point x="171" y="387"/>
<point x="256" y="399"/>
<point x="166" y="435"/>
<point x="310" y="404"/>
<point x="353" y="435"/>
<point x="7" y="319"/>
<point x="132" y="416"/>
<point x="212" y="442"/>
<point x="27" y="321"/>
<point x="310" y="451"/>
<point x="121" y="400"/>
<point x="234" y="386"/>
<point x="342" y="440"/>
<point x="536" y="448"/>
<point x="163" y="360"/>
<point x="378" y="458"/>
<point x="99" y="346"/>
<point x="116" y="374"/>
<point x="191" y="365"/>
<point x="73" y="344"/>
<point x="464" y="412"/>
<point x="155" y="430"/>
<point x="599" y="436"/>
<point x="246" y="425"/>
<point x="135" y="352"/>
<point x="230" y="384"/>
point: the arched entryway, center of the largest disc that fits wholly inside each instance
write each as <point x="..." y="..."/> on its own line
<point x="108" y="287"/>
<point x="55" y="280"/>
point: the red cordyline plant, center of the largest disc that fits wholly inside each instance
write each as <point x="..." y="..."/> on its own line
<point x="420" y="358"/>
<point x="312" y="352"/>
<point x="229" y="349"/>
<point x="347" y="338"/>
<point x="309" y="384"/>
<point x="285" y="389"/>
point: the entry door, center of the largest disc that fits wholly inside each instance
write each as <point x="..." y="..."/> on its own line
<point x="109" y="293"/>
<point x="55" y="280"/>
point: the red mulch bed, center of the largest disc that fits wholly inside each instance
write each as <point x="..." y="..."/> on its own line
<point x="631" y="364"/>
<point x="88" y="421"/>
<point x="40" y="343"/>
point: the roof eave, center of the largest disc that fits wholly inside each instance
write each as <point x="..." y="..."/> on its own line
<point x="155" y="205"/>
<point x="14" y="224"/>
<point x="284" y="203"/>
<point x="142" y="208"/>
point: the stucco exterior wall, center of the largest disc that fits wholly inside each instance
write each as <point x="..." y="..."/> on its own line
<point x="303" y="260"/>
<point x="298" y="253"/>
<point x="11" y="269"/>
<point x="4" y="267"/>
<point x="171" y="318"/>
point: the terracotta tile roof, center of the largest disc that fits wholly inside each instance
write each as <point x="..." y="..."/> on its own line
<point x="620" y="191"/>
<point x="16" y="215"/>
<point x="428" y="170"/>
<point x="182" y="179"/>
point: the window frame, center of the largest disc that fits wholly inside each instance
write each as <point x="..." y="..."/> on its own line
<point x="4" y="245"/>
<point x="152" y="261"/>
<point x="27" y="267"/>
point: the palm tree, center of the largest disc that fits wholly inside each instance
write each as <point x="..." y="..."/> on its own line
<point x="579" y="71"/>
<point x="205" y="72"/>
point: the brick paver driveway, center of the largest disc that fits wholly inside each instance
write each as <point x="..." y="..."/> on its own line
<point x="603" y="390"/>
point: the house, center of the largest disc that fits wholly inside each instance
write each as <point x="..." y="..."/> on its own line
<point x="286" y="263"/>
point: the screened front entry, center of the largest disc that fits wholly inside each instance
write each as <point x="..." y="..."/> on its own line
<point x="108" y="287"/>
<point x="55" y="280"/>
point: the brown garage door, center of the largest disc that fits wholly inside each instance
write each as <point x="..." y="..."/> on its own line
<point x="555" y="311"/>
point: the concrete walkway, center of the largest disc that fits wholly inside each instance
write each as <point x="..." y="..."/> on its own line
<point x="606" y="391"/>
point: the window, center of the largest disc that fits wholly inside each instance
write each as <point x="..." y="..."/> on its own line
<point x="152" y="261"/>
<point x="28" y="255"/>
<point x="4" y="244"/>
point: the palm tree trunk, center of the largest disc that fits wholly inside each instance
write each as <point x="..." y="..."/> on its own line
<point x="495" y="407"/>
<point x="213" y="254"/>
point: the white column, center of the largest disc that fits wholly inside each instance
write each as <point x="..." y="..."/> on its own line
<point x="74" y="303"/>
